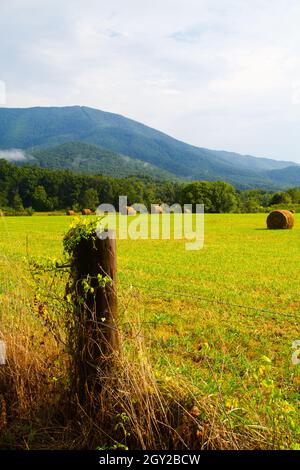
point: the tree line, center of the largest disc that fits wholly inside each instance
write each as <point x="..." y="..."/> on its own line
<point x="28" y="188"/>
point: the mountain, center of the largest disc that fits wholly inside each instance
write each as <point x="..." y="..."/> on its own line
<point x="88" y="158"/>
<point x="33" y="128"/>
<point x="290" y="175"/>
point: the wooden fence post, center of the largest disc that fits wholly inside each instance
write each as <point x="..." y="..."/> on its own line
<point x="97" y="334"/>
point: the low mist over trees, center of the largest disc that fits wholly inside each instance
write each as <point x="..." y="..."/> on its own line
<point x="33" y="188"/>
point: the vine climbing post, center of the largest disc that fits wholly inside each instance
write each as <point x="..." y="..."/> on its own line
<point x="93" y="282"/>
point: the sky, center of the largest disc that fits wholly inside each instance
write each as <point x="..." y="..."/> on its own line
<point x="221" y="74"/>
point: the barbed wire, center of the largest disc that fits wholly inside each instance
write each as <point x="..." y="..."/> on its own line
<point x="186" y="295"/>
<point x="209" y="300"/>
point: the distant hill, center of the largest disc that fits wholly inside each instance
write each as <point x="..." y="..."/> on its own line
<point x="290" y="175"/>
<point x="33" y="128"/>
<point x="88" y="158"/>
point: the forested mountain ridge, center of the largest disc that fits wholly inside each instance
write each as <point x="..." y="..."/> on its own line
<point x="29" y="128"/>
<point x="89" y="158"/>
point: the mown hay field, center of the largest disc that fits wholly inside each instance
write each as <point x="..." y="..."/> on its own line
<point x="188" y="308"/>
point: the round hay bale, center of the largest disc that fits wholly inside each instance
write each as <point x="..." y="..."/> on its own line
<point x="71" y="212"/>
<point x="280" y="219"/>
<point x="130" y="210"/>
<point x="156" y="209"/>
<point x="86" y="212"/>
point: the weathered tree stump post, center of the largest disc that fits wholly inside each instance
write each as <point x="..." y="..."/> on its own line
<point x="97" y="331"/>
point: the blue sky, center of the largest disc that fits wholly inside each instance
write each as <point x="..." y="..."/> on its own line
<point x="218" y="74"/>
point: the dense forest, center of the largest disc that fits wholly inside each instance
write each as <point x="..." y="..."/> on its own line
<point x="87" y="158"/>
<point x="26" y="189"/>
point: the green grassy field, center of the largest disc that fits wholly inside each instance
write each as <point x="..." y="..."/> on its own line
<point x="235" y="363"/>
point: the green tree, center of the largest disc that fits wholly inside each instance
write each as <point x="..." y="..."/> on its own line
<point x="294" y="193"/>
<point x="3" y="199"/>
<point x="251" y="201"/>
<point x="40" y="199"/>
<point x="223" y="197"/>
<point x="17" y="202"/>
<point x="281" y="198"/>
<point x="198" y="192"/>
<point x="216" y="196"/>
<point x="90" y="199"/>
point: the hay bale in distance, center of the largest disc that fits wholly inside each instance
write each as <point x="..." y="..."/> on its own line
<point x="71" y="212"/>
<point x="86" y="212"/>
<point x="280" y="219"/>
<point x="156" y="209"/>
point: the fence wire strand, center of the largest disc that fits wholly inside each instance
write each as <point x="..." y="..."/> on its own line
<point x="207" y="299"/>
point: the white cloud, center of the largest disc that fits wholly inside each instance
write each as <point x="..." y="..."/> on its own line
<point x="221" y="74"/>
<point x="13" y="155"/>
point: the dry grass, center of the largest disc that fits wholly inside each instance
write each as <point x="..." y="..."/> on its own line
<point x="192" y="378"/>
<point x="134" y="409"/>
